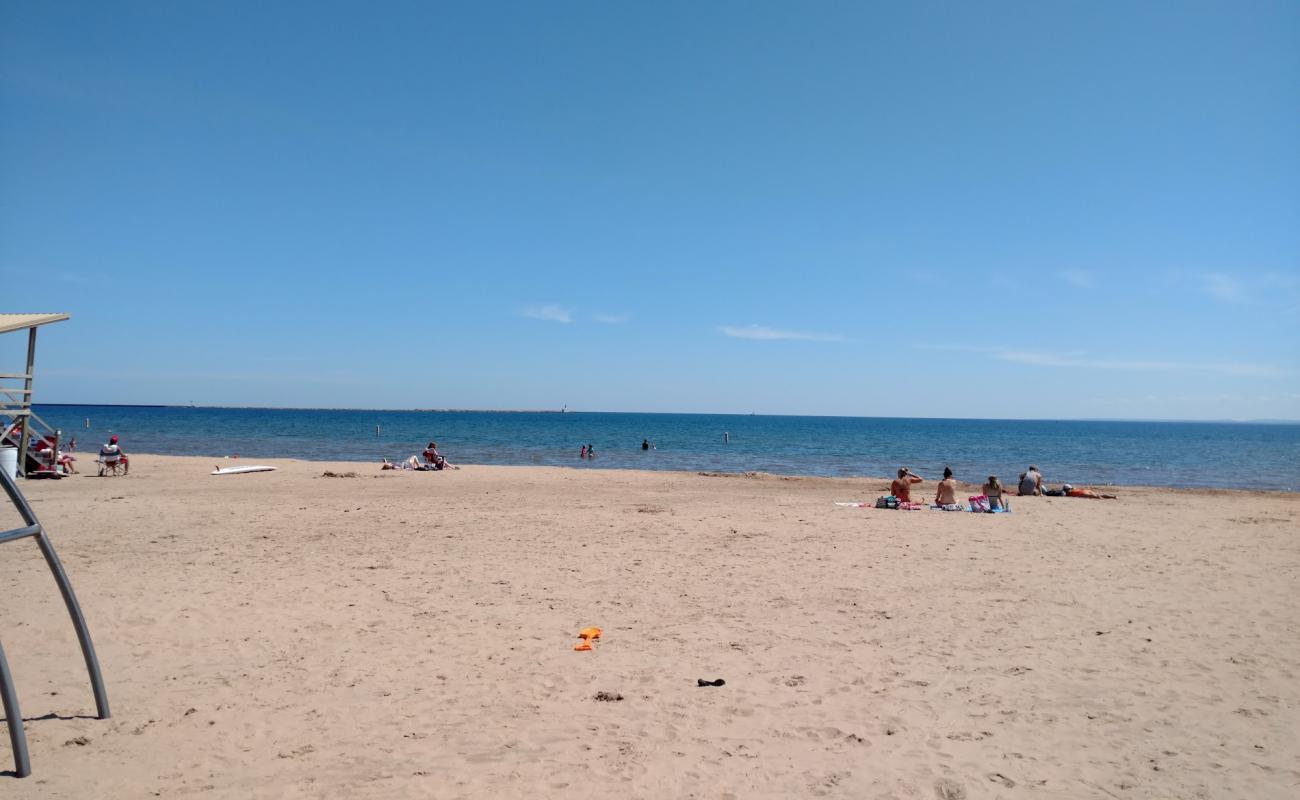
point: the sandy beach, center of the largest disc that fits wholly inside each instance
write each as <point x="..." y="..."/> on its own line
<point x="290" y="635"/>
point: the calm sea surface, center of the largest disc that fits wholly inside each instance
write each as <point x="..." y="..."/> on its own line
<point x="1260" y="456"/>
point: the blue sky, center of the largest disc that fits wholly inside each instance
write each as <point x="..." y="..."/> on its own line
<point x="969" y="210"/>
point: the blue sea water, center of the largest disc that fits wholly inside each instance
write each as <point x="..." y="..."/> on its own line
<point x="1187" y="454"/>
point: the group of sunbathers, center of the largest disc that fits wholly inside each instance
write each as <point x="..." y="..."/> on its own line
<point x="945" y="496"/>
<point x="433" y="461"/>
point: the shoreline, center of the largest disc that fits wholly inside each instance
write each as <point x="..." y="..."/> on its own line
<point x="966" y="485"/>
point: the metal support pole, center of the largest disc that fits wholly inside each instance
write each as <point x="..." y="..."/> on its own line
<point x="65" y="588"/>
<point x="26" y="436"/>
<point x="78" y="622"/>
<point x="14" y="719"/>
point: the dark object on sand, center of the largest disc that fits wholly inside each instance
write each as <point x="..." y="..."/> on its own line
<point x="703" y="682"/>
<point x="608" y="697"/>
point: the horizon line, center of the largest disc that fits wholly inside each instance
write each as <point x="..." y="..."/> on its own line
<point x="566" y="410"/>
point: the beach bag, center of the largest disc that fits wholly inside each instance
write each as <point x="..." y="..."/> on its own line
<point x="887" y="502"/>
<point x="979" y="503"/>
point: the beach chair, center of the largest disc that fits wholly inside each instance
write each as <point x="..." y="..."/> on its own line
<point x="111" y="465"/>
<point x="8" y="694"/>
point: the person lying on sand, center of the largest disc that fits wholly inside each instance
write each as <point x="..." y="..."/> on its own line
<point x="1070" y="491"/>
<point x="413" y="463"/>
<point x="902" y="485"/>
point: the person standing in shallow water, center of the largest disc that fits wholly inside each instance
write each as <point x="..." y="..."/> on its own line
<point x="583" y="452"/>
<point x="947" y="492"/>
<point x="591" y="451"/>
<point x="645" y="444"/>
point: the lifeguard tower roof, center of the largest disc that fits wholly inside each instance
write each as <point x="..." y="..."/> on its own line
<point x="16" y="415"/>
<point x="16" y="322"/>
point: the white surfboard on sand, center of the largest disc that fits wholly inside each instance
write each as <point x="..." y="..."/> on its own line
<point x="239" y="470"/>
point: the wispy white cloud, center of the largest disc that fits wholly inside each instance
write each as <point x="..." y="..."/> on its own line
<point x="611" y="319"/>
<point x="1081" y="360"/>
<point x="1081" y="278"/>
<point x="550" y="313"/>
<point x="763" y="333"/>
<point x="52" y="274"/>
<point x="329" y="377"/>
<point x="1224" y="287"/>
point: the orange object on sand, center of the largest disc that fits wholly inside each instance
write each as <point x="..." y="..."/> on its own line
<point x="587" y="635"/>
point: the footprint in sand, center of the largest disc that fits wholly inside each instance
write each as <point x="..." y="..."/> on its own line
<point x="948" y="789"/>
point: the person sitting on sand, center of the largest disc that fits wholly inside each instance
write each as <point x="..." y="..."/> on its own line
<point x="1031" y="482"/>
<point x="946" y="495"/>
<point x="993" y="491"/>
<point x="901" y="487"/>
<point x="435" y="459"/>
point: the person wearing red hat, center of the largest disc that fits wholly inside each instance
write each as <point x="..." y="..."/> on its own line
<point x="112" y="449"/>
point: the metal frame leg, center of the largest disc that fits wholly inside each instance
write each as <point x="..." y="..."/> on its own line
<point x="14" y="719"/>
<point x="12" y="714"/>
<point x="78" y="622"/>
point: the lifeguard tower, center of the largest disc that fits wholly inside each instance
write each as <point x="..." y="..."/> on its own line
<point x="16" y="412"/>
<point x="21" y="426"/>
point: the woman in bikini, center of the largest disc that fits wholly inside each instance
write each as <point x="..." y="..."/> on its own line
<point x="993" y="491"/>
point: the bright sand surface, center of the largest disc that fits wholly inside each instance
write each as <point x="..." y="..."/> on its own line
<point x="285" y="634"/>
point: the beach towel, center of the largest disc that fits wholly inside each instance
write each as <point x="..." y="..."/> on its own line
<point x="853" y="505"/>
<point x="905" y="506"/>
<point x="949" y="507"/>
